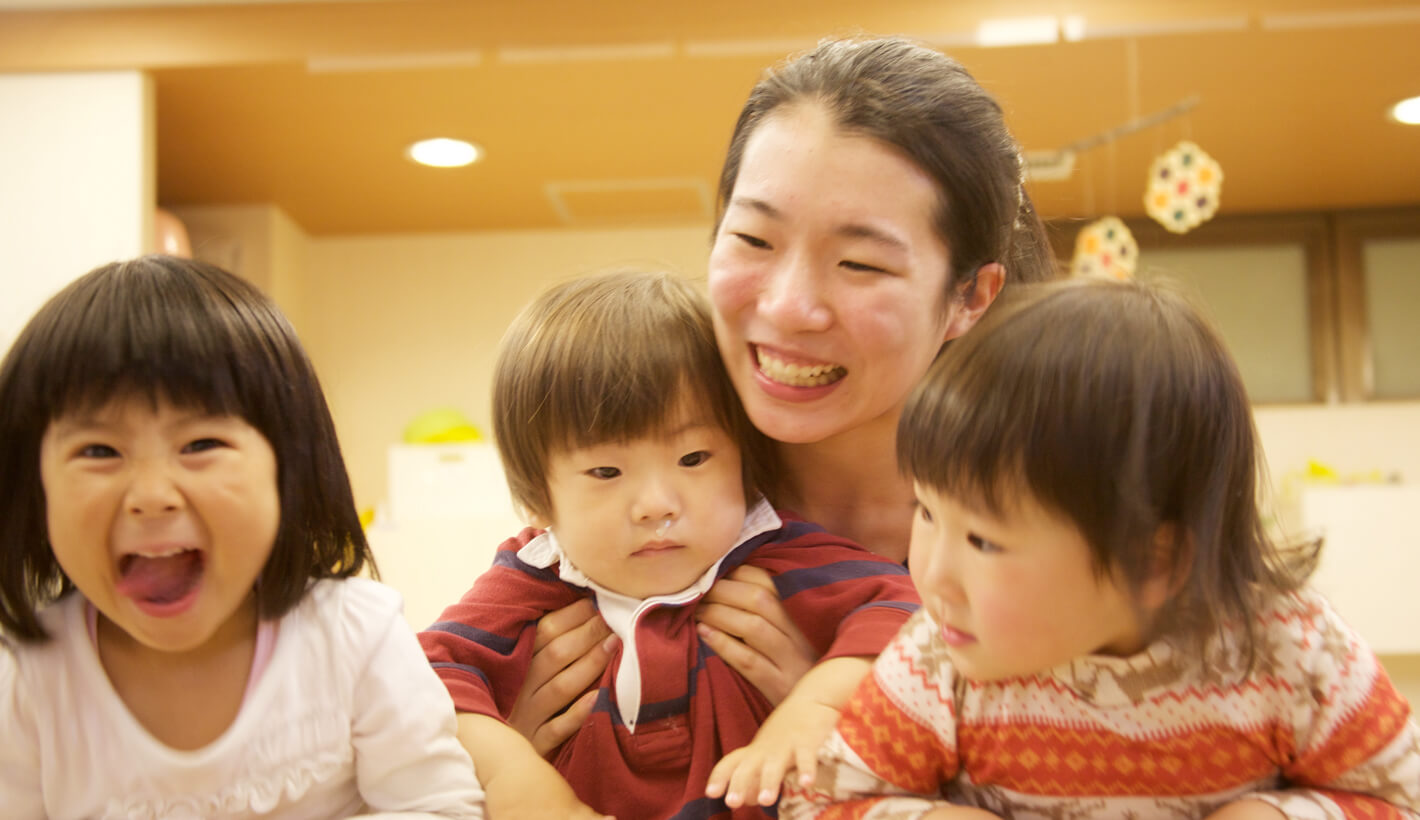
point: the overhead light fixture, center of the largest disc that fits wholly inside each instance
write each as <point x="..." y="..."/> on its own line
<point x="1018" y="31"/>
<point x="1406" y="111"/>
<point x="444" y="153"/>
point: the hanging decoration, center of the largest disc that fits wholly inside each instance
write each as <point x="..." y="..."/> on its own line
<point x="1105" y="247"/>
<point x="1184" y="186"/>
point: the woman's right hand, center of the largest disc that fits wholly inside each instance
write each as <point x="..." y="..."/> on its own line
<point x="743" y="620"/>
<point x="570" y="651"/>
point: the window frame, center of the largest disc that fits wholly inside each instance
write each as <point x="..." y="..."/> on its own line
<point x="1353" y="344"/>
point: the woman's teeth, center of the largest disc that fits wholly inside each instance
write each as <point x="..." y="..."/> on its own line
<point x="798" y="375"/>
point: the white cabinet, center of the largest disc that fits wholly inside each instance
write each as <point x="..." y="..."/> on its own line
<point x="1370" y="562"/>
<point x="447" y="512"/>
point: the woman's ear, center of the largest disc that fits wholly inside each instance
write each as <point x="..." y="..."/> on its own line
<point x="974" y="297"/>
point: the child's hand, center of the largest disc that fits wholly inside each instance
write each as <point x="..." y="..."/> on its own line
<point x="788" y="740"/>
<point x="514" y="796"/>
<point x="517" y="783"/>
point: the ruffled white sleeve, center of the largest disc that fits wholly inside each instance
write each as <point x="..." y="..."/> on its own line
<point x="20" y="791"/>
<point x="408" y="759"/>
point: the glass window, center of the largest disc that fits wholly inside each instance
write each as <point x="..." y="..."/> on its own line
<point x="1392" y="271"/>
<point x="1257" y="296"/>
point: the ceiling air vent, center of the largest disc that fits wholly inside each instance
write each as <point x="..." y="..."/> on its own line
<point x="595" y="203"/>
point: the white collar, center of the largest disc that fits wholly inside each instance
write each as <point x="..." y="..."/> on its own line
<point x="621" y="612"/>
<point x="544" y="550"/>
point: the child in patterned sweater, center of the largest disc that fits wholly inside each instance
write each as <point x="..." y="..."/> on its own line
<point x="1106" y="630"/>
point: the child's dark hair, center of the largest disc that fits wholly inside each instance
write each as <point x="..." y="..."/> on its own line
<point x="1117" y="406"/>
<point x="608" y="358"/>
<point x="185" y="332"/>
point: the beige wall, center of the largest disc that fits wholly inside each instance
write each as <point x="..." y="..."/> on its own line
<point x="76" y="182"/>
<point x="400" y="325"/>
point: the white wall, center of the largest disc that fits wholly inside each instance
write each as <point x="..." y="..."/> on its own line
<point x="76" y="181"/>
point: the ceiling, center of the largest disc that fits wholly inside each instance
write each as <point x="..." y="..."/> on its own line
<point x="618" y="111"/>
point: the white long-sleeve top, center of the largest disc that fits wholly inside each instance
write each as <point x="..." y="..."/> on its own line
<point x="347" y="718"/>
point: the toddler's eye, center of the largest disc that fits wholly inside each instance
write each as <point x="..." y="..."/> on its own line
<point x="202" y="445"/>
<point x="923" y="512"/>
<point x="981" y="543"/>
<point x="694" y="459"/>
<point x="604" y="472"/>
<point x="97" y="451"/>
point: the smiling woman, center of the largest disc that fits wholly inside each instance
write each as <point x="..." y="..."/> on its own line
<point x="871" y="209"/>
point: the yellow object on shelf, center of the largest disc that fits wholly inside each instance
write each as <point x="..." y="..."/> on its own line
<point x="442" y="425"/>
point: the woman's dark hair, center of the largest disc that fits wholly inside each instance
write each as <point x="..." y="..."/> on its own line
<point x="1117" y="406"/>
<point x="187" y="333"/>
<point x="927" y="106"/>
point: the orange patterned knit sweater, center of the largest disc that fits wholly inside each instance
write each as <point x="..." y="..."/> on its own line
<point x="1315" y="729"/>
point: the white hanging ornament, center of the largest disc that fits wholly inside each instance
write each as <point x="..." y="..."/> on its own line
<point x="1105" y="247"/>
<point x="1184" y="186"/>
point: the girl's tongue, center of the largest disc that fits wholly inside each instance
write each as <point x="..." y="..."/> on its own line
<point x="159" y="579"/>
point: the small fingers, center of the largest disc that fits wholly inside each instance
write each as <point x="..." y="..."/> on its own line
<point x="806" y="764"/>
<point x="720" y="775"/>
<point x="769" y="780"/>
<point x="755" y="780"/>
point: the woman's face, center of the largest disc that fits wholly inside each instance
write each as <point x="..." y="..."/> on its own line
<point x="828" y="281"/>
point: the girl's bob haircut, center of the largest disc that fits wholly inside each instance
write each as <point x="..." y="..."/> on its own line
<point x="608" y="358"/>
<point x="1117" y="406"/>
<point x="171" y="330"/>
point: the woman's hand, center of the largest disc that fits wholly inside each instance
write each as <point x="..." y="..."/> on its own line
<point x="743" y="620"/>
<point x="571" y="650"/>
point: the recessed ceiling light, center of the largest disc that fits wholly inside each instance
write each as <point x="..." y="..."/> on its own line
<point x="1407" y="111"/>
<point x="1018" y="31"/>
<point x="444" y="153"/>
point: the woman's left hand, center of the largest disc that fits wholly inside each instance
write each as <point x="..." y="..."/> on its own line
<point x="744" y="622"/>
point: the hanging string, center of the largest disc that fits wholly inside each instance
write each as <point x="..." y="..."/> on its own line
<point x="1088" y="177"/>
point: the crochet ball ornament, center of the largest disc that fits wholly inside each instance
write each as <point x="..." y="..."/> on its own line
<point x="1105" y="248"/>
<point x="1184" y="185"/>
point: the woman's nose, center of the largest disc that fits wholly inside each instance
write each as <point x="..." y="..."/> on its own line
<point x="793" y="296"/>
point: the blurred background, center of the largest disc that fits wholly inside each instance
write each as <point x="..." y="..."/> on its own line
<point x="274" y="136"/>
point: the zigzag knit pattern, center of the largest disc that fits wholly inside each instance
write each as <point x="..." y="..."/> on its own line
<point x="1314" y="728"/>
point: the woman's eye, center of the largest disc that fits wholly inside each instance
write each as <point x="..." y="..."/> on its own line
<point x="604" y="472"/>
<point x="97" y="451"/>
<point x="981" y="544"/>
<point x="694" y="459"/>
<point x="202" y="445"/>
<point x="862" y="266"/>
<point x="751" y="240"/>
